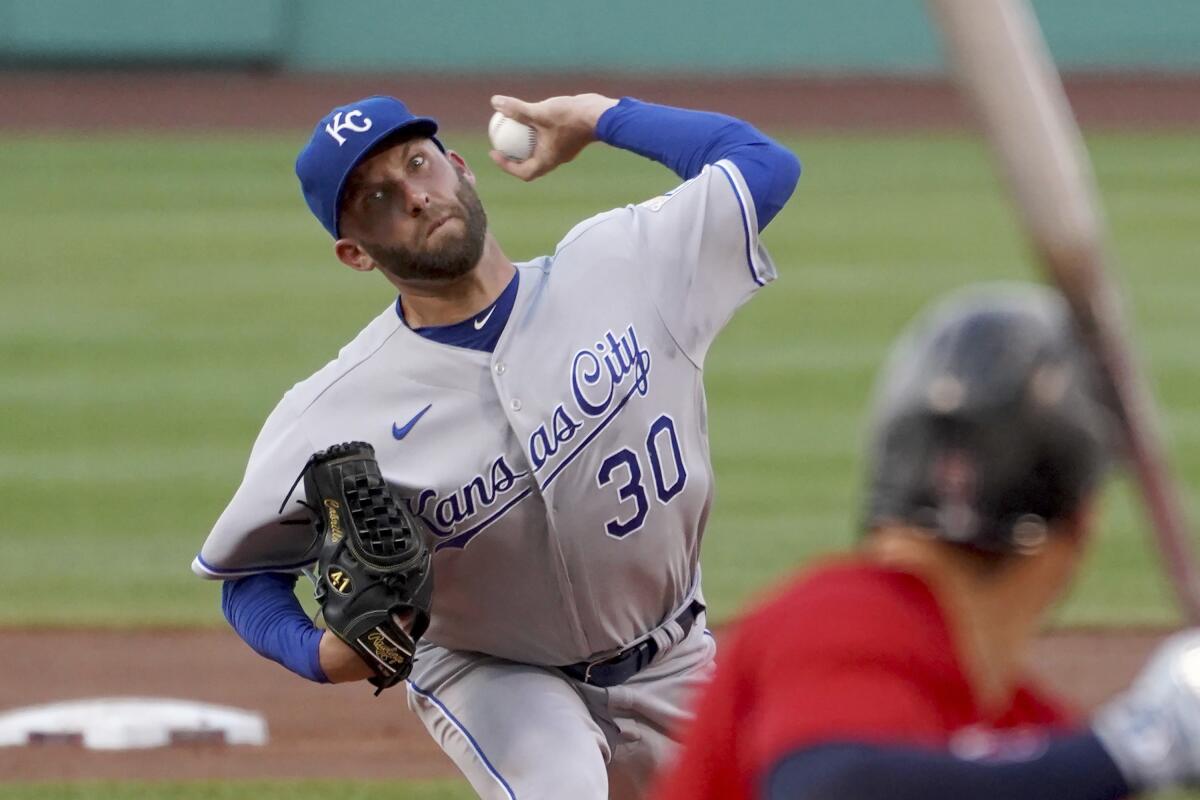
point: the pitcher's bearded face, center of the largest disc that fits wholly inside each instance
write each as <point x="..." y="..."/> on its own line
<point x="450" y="248"/>
<point x="414" y="210"/>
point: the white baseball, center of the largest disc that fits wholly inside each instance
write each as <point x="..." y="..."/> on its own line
<point x="515" y="139"/>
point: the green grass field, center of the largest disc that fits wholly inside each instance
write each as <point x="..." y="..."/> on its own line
<point x="160" y="294"/>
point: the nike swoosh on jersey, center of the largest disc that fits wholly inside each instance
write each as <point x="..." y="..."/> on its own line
<point x="399" y="432"/>
<point x="479" y="323"/>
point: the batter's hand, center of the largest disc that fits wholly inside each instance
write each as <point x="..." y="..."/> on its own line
<point x="1152" y="731"/>
<point x="564" y="125"/>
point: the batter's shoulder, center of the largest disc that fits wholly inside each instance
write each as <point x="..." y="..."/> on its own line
<point x="853" y="606"/>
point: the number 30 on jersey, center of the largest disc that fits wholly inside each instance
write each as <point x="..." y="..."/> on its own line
<point x="666" y="467"/>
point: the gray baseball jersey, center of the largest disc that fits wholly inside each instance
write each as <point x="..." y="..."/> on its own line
<point x="565" y="476"/>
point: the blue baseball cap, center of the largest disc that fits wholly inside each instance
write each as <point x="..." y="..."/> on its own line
<point x="342" y="139"/>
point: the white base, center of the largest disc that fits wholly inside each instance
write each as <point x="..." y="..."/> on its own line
<point x="123" y="723"/>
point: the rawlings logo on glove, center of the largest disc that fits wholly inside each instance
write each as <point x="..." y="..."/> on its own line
<point x="374" y="572"/>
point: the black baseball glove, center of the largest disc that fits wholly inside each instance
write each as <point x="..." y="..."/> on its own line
<point x="374" y="566"/>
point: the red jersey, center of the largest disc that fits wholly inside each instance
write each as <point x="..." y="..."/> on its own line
<point x="850" y="652"/>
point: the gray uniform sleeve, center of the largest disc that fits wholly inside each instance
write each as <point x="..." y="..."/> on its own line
<point x="251" y="535"/>
<point x="704" y="258"/>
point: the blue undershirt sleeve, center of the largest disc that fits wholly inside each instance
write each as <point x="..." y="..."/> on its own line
<point x="266" y="613"/>
<point x="685" y="141"/>
<point x="1075" y="767"/>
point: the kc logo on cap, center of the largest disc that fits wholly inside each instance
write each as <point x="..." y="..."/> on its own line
<point x="338" y="124"/>
<point x="341" y="140"/>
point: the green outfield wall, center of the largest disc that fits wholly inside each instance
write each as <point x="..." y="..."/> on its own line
<point x="705" y="36"/>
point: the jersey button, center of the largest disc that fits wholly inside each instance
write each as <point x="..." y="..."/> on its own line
<point x="500" y="368"/>
<point x="515" y="405"/>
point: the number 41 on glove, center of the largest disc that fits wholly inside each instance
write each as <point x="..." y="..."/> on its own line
<point x="373" y="568"/>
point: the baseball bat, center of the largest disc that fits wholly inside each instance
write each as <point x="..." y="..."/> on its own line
<point x="1004" y="68"/>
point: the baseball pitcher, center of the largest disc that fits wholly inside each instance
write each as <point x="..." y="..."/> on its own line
<point x="499" y="487"/>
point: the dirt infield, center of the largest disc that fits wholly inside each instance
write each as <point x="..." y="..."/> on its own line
<point x="330" y="731"/>
<point x="155" y="101"/>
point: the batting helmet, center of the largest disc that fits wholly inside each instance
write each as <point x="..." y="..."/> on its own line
<point x="990" y="421"/>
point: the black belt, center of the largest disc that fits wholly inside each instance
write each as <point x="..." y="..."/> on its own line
<point x="617" y="669"/>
